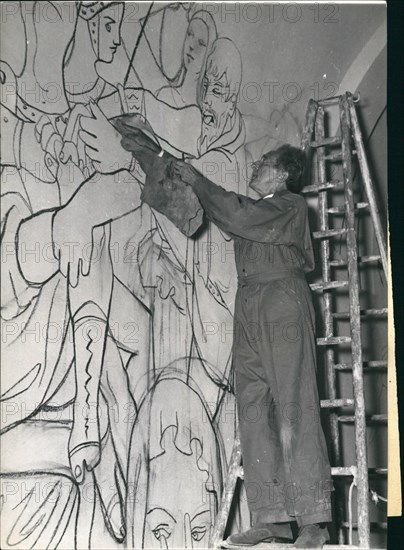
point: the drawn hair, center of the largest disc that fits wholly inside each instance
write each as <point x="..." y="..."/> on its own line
<point x="225" y="59"/>
<point x="171" y="411"/>
<point x="293" y="161"/>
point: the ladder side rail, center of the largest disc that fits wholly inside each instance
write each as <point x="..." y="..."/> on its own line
<point x="327" y="308"/>
<point x="309" y="125"/>
<point x="356" y="339"/>
<point x="367" y="181"/>
<point x="227" y="496"/>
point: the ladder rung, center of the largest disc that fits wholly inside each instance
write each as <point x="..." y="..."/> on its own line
<point x="333" y="157"/>
<point x="335" y="403"/>
<point x="367" y="366"/>
<point x="336" y="140"/>
<point x="343" y="471"/>
<point x="352" y="470"/>
<point x="333" y="340"/>
<point x="337" y="156"/>
<point x="367" y="259"/>
<point x="373" y="418"/>
<point x="361" y="260"/>
<point x="338" y="263"/>
<point x="364" y="312"/>
<point x="329" y="100"/>
<point x="323" y="187"/>
<point x="373" y="525"/>
<point x="329" y="233"/>
<point x="377" y="471"/>
<point x="330" y="285"/>
<point x="341" y="209"/>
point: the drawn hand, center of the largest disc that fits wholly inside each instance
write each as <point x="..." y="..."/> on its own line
<point x="73" y="243"/>
<point x="48" y="134"/>
<point x="103" y="143"/>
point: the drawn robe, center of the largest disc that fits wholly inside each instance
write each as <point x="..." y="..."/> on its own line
<point x="37" y="375"/>
<point x="195" y="280"/>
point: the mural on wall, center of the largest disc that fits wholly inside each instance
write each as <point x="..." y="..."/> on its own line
<point x="118" y="407"/>
<point x="128" y="417"/>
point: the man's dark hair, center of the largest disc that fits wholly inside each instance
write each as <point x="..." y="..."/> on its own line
<point x="293" y="161"/>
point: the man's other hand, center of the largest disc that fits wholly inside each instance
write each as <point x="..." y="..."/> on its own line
<point x="185" y="172"/>
<point x="103" y="143"/>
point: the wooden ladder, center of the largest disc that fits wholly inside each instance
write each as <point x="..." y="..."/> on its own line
<point x="339" y="149"/>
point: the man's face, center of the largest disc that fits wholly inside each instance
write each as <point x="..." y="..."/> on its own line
<point x="268" y="176"/>
<point x="216" y="106"/>
<point x="109" y="36"/>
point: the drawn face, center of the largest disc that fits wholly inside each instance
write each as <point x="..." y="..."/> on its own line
<point x="109" y="32"/>
<point x="268" y="176"/>
<point x="216" y="105"/>
<point x="195" y="45"/>
<point x="178" y="508"/>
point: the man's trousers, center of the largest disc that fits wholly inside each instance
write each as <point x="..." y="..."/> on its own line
<point x="286" y="467"/>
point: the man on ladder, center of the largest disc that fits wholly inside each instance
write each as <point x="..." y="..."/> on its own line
<point x="285" y="461"/>
<point x="286" y="468"/>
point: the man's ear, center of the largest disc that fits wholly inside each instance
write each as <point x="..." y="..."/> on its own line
<point x="283" y="176"/>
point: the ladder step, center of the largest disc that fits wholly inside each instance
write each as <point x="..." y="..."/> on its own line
<point x="334" y="157"/>
<point x="330" y="285"/>
<point x="367" y="366"/>
<point x="382" y="525"/>
<point x="329" y="233"/>
<point x="333" y="340"/>
<point x="329" y="101"/>
<point x="343" y="471"/>
<point x="336" y="403"/>
<point x="352" y="470"/>
<point x="364" y="312"/>
<point x="336" y="140"/>
<point x="341" y="209"/>
<point x="324" y="186"/>
<point x="377" y="471"/>
<point x="373" y="418"/>
<point x="361" y="260"/>
<point x="367" y="259"/>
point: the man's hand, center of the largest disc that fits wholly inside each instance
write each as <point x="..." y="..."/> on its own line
<point x="135" y="138"/>
<point x="184" y="172"/>
<point x="103" y="143"/>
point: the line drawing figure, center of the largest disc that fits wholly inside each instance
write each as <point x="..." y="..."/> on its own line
<point x="118" y="411"/>
<point x="170" y="442"/>
<point x="81" y="383"/>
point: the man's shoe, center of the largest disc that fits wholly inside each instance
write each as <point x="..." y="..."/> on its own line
<point x="312" y="536"/>
<point x="262" y="532"/>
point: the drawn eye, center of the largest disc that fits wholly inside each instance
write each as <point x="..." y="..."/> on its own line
<point x="216" y="92"/>
<point x="108" y="27"/>
<point x="202" y="43"/>
<point x="198" y="533"/>
<point x="161" y="531"/>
